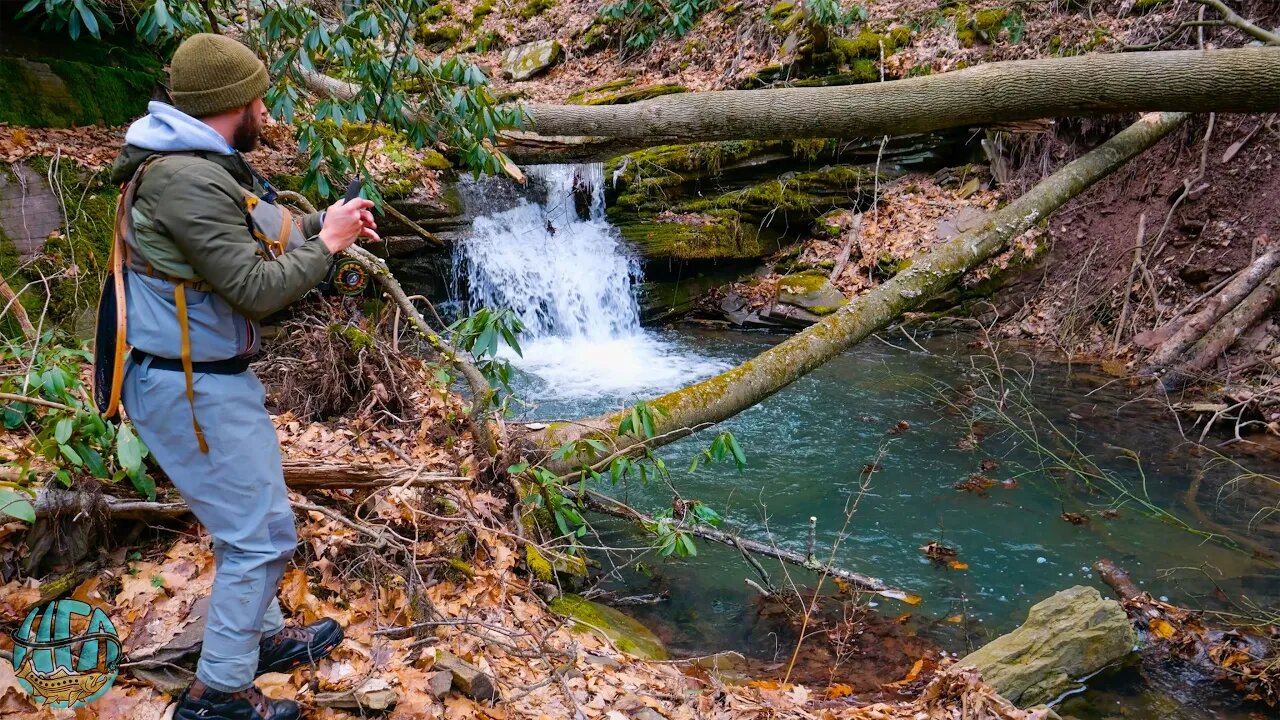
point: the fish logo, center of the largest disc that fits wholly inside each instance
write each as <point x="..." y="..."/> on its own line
<point x="66" y="653"/>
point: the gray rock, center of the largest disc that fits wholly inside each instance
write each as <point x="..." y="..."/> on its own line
<point x="810" y="291"/>
<point x="1070" y="635"/>
<point x="524" y="61"/>
<point x="29" y="210"/>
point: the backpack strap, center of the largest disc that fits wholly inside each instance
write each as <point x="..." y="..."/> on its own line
<point x="180" y="297"/>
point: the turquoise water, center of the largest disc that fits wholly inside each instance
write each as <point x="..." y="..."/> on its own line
<point x="807" y="447"/>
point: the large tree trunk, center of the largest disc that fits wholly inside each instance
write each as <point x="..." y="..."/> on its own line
<point x="735" y="390"/>
<point x="1240" y="80"/>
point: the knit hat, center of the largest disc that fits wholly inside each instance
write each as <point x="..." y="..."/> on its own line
<point x="211" y="73"/>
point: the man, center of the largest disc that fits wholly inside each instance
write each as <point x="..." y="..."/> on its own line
<point x="205" y="258"/>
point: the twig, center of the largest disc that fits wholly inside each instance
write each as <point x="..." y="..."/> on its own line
<point x="1128" y="286"/>
<point x="1176" y="32"/>
<point x="13" y="305"/>
<point x="418" y="229"/>
<point x="36" y="401"/>
<point x="1230" y="17"/>
<point x="768" y="588"/>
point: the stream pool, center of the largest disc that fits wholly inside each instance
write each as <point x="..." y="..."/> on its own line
<point x="807" y="449"/>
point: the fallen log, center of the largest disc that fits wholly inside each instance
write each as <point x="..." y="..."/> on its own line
<point x="1224" y="333"/>
<point x="298" y="475"/>
<point x="729" y="393"/>
<point x="1237" y="80"/>
<point x="1197" y="325"/>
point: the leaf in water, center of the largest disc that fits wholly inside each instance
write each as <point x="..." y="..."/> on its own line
<point x="957" y="565"/>
<point x="956" y="619"/>
<point x="1161" y="627"/>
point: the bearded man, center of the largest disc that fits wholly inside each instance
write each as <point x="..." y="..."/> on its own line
<point x="207" y="254"/>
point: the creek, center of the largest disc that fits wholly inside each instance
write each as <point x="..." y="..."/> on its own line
<point x="552" y="258"/>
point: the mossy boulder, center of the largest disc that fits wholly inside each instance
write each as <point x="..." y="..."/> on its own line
<point x="626" y="633"/>
<point x="525" y="61"/>
<point x="714" y="235"/>
<point x="50" y="92"/>
<point x="810" y="291"/>
<point x="534" y="8"/>
<point x="440" y="38"/>
<point x="1066" y="637"/>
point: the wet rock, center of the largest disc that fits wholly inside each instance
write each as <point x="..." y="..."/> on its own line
<point x="627" y="634"/>
<point x="1067" y="636"/>
<point x="524" y="61"/>
<point x="810" y="291"/>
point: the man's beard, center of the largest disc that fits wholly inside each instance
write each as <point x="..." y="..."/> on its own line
<point x="247" y="133"/>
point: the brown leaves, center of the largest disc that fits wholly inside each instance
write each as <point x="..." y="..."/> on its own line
<point x="975" y="483"/>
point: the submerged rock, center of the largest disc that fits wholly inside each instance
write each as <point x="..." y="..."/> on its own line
<point x="524" y="61"/>
<point x="627" y="634"/>
<point x="1067" y="636"/>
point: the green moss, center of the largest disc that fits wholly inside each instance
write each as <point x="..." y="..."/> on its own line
<point x="782" y="16"/>
<point x="355" y="337"/>
<point x="76" y="258"/>
<point x="1148" y="4"/>
<point x="720" y="236"/>
<point x="436" y="13"/>
<point x="860" y="71"/>
<point x="441" y="38"/>
<point x="638" y="94"/>
<point x="538" y="564"/>
<point x="534" y="8"/>
<point x="828" y="224"/>
<point x="595" y="38"/>
<point x="63" y="93"/>
<point x="482" y="10"/>
<point x="626" y="633"/>
<point x="867" y="44"/>
<point x="801" y="192"/>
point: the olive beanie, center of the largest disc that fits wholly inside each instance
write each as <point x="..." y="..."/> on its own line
<point x="211" y="73"/>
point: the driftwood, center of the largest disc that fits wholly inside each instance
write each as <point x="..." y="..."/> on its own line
<point x="1195" y="327"/>
<point x="467" y="678"/>
<point x="609" y="506"/>
<point x="1225" y="332"/>
<point x="1248" y="658"/>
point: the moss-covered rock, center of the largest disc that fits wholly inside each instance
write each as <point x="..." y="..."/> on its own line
<point x="440" y="38"/>
<point x="64" y="93"/>
<point x="814" y="191"/>
<point x="810" y="291"/>
<point x="626" y="633"/>
<point x="715" y="235"/>
<point x="525" y="61"/>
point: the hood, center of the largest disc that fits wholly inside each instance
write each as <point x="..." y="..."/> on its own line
<point x="165" y="129"/>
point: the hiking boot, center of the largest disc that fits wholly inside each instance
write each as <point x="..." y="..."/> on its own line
<point x="295" y="645"/>
<point x="201" y="702"/>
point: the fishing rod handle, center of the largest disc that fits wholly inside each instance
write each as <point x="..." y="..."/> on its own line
<point x="353" y="189"/>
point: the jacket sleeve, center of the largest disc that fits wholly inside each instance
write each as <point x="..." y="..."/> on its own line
<point x="311" y="223"/>
<point x="202" y="210"/>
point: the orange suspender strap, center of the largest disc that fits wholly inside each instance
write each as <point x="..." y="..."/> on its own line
<point x="286" y="220"/>
<point x="180" y="296"/>
<point x="117" y="270"/>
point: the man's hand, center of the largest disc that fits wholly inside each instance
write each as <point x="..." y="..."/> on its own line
<point x="344" y="222"/>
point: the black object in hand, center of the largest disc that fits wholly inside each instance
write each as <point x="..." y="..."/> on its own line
<point x="353" y="189"/>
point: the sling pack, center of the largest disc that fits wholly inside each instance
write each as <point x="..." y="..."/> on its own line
<point x="272" y="228"/>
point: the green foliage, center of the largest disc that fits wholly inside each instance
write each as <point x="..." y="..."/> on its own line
<point x="722" y="448"/>
<point x="437" y="102"/>
<point x="71" y="437"/>
<point x="74" y="16"/>
<point x="639" y="23"/>
<point x="479" y="334"/>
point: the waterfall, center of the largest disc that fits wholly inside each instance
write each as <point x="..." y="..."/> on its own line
<point x="549" y="255"/>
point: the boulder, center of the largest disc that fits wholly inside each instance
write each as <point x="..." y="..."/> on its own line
<point x="810" y="291"/>
<point x="524" y="61"/>
<point x="1068" y="636"/>
<point x="627" y="634"/>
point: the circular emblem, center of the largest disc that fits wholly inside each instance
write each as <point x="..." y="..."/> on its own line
<point x="65" y="653"/>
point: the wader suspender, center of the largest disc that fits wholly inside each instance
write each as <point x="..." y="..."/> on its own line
<point x="113" y="297"/>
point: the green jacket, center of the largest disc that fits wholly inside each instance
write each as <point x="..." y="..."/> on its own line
<point x="189" y="223"/>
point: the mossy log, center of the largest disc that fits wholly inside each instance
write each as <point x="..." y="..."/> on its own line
<point x="1237" y="80"/>
<point x="725" y="395"/>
